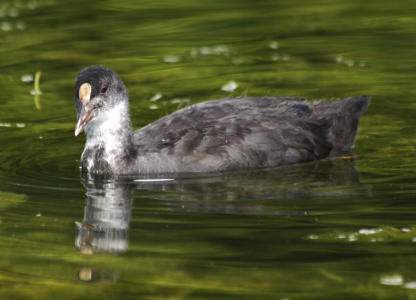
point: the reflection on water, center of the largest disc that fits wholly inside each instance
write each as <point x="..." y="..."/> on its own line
<point x="307" y="181"/>
<point x="107" y="214"/>
<point x="304" y="232"/>
<point x="106" y="222"/>
<point x="90" y="275"/>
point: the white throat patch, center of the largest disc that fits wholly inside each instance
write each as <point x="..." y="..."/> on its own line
<point x="107" y="130"/>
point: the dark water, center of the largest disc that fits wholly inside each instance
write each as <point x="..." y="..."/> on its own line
<point x="335" y="229"/>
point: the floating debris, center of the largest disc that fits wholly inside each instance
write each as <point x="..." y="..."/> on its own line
<point x="180" y="100"/>
<point x="205" y="51"/>
<point x="153" y="107"/>
<point x="36" y="90"/>
<point x="220" y="49"/>
<point x="156" y="97"/>
<point x="367" y="231"/>
<point x="171" y="59"/>
<point x="27" y="78"/>
<point x="6" y="26"/>
<point x="352" y="238"/>
<point x="275" y="57"/>
<point x="372" y="235"/>
<point x="214" y="50"/>
<point x="229" y="86"/>
<point x="339" y="59"/>
<point x="33" y="92"/>
<point x="274" y="45"/>
<point x="176" y="101"/>
<point x="313" y="237"/>
<point x="410" y="285"/>
<point x="38" y="214"/>
<point x="18" y="125"/>
<point x="394" y="279"/>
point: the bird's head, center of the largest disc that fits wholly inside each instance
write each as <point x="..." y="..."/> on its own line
<point x="97" y="91"/>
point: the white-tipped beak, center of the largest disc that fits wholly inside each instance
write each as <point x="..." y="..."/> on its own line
<point x="78" y="127"/>
<point x="84" y="117"/>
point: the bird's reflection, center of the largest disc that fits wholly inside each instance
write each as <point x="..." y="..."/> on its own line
<point x="106" y="222"/>
<point x="90" y="275"/>
<point x="107" y="214"/>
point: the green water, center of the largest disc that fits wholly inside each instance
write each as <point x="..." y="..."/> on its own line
<point x="334" y="229"/>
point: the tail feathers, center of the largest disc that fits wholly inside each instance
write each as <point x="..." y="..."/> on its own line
<point x="343" y="116"/>
<point x="357" y="105"/>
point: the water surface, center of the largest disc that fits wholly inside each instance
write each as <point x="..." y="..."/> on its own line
<point x="342" y="228"/>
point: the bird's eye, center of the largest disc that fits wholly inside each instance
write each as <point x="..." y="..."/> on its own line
<point x="104" y="89"/>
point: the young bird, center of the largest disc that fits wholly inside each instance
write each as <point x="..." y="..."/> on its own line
<point x="214" y="136"/>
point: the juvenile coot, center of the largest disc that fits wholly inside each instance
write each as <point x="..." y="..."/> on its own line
<point x="218" y="135"/>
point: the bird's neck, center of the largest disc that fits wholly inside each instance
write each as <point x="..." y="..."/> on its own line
<point x="109" y="138"/>
<point x="110" y="128"/>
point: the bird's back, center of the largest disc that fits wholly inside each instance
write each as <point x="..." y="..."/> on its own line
<point x="239" y="133"/>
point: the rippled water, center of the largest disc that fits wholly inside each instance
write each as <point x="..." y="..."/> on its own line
<point x="335" y="229"/>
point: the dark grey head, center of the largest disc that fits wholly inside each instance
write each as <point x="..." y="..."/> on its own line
<point x="97" y="90"/>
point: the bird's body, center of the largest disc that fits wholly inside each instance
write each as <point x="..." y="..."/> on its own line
<point x="214" y="136"/>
